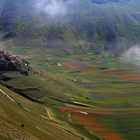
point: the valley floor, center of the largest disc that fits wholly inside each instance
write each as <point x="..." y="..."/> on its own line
<point x="82" y="96"/>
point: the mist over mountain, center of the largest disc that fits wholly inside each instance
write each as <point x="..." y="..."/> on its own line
<point x="112" y="25"/>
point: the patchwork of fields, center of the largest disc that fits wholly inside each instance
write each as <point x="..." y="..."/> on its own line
<point x="94" y="95"/>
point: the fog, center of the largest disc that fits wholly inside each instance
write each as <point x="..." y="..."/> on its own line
<point x="132" y="56"/>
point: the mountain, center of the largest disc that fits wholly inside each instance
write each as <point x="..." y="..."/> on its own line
<point x="100" y="25"/>
<point x="68" y="71"/>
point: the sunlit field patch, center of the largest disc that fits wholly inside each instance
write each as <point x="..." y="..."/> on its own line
<point x="128" y="76"/>
<point x="70" y="65"/>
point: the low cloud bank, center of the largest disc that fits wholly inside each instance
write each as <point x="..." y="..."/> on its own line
<point x="132" y="56"/>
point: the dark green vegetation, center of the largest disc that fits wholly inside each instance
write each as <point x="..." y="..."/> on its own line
<point x="77" y="87"/>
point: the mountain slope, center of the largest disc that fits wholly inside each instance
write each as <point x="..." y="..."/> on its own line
<point x="111" y="25"/>
<point x="21" y="118"/>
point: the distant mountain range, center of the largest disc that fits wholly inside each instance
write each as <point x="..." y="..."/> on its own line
<point x="95" y="24"/>
<point x="104" y="1"/>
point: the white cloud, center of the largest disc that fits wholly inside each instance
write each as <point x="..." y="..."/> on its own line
<point x="52" y="7"/>
<point x="132" y="55"/>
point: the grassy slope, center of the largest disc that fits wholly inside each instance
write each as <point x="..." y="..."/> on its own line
<point x="34" y="116"/>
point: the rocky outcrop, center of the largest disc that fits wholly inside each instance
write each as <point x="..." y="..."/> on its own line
<point x="10" y="62"/>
